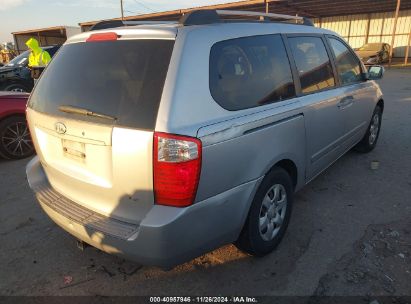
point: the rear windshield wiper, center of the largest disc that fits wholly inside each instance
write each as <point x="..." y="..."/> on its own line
<point x="82" y="111"/>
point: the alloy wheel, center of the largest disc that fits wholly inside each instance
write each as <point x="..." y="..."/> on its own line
<point x="16" y="140"/>
<point x="20" y="90"/>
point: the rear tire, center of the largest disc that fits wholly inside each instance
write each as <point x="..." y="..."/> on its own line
<point x="369" y="141"/>
<point x="269" y="214"/>
<point x="15" y="140"/>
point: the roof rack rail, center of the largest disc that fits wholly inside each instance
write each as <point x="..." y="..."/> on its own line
<point x="198" y="17"/>
<point x="106" y="24"/>
<point x="140" y="22"/>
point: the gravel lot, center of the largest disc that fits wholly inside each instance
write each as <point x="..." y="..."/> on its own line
<point x="350" y="234"/>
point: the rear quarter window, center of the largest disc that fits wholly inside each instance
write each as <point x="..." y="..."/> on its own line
<point x="249" y="72"/>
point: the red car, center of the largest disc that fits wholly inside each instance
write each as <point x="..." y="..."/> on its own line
<point x="15" y="140"/>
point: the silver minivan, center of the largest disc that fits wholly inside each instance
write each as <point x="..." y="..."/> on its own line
<point x="160" y="142"/>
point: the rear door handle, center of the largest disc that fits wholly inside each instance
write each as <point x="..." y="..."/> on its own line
<point x="345" y="102"/>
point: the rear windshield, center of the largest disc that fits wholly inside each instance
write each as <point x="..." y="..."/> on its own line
<point x="121" y="79"/>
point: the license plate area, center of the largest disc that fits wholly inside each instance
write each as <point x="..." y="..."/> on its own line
<point x="74" y="150"/>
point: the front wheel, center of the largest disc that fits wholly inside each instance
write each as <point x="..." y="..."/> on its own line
<point x="269" y="214"/>
<point x="369" y="141"/>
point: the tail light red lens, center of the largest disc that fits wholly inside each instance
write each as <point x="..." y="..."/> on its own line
<point x="177" y="166"/>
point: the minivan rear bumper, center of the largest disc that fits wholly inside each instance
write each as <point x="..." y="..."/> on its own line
<point x="166" y="237"/>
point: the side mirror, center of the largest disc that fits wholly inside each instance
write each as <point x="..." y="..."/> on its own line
<point x="375" y="72"/>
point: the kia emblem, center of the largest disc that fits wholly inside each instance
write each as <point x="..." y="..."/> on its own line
<point x="60" y="128"/>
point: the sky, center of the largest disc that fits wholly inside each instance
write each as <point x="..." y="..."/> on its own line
<point x="17" y="15"/>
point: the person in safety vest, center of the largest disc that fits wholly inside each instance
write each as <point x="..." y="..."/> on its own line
<point x="38" y="57"/>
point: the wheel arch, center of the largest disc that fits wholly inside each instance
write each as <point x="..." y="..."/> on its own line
<point x="288" y="165"/>
<point x="292" y="164"/>
<point x="291" y="168"/>
<point x="380" y="103"/>
<point x="22" y="82"/>
<point x="7" y="116"/>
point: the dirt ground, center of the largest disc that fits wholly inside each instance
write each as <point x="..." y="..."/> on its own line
<point x="350" y="235"/>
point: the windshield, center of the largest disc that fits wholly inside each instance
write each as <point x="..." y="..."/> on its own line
<point x="371" y="47"/>
<point x="20" y="60"/>
<point x="122" y="79"/>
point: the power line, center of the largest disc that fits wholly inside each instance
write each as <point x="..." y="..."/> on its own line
<point x="145" y="6"/>
<point x="131" y="12"/>
<point x="136" y="12"/>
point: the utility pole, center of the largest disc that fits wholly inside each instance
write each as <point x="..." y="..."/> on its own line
<point x="407" y="50"/>
<point x="122" y="11"/>
<point x="394" y="30"/>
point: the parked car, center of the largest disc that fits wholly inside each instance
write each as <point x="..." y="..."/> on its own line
<point x="194" y="135"/>
<point x="15" y="75"/>
<point x="374" y="53"/>
<point x="15" y="140"/>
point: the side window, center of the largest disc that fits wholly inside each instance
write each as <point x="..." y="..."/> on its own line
<point x="313" y="64"/>
<point x="249" y="72"/>
<point x="348" y="66"/>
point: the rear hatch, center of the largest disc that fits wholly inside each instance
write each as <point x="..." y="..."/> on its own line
<point x="92" y="117"/>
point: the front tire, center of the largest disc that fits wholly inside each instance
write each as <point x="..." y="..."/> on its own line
<point x="269" y="214"/>
<point x="369" y="141"/>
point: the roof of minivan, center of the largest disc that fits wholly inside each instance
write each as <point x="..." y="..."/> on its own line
<point x="170" y="30"/>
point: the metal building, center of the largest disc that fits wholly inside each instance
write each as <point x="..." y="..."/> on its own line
<point x="358" y="21"/>
<point x="359" y="29"/>
<point x="45" y="36"/>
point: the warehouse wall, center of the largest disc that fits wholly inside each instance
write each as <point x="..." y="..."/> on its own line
<point x="379" y="26"/>
<point x="48" y="37"/>
<point x="20" y="41"/>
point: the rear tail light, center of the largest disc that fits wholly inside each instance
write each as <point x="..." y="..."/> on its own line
<point x="177" y="166"/>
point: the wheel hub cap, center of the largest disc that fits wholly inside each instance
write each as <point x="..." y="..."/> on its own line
<point x="272" y="212"/>
<point x="374" y="128"/>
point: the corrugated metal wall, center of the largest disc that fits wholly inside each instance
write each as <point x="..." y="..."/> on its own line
<point x="379" y="26"/>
